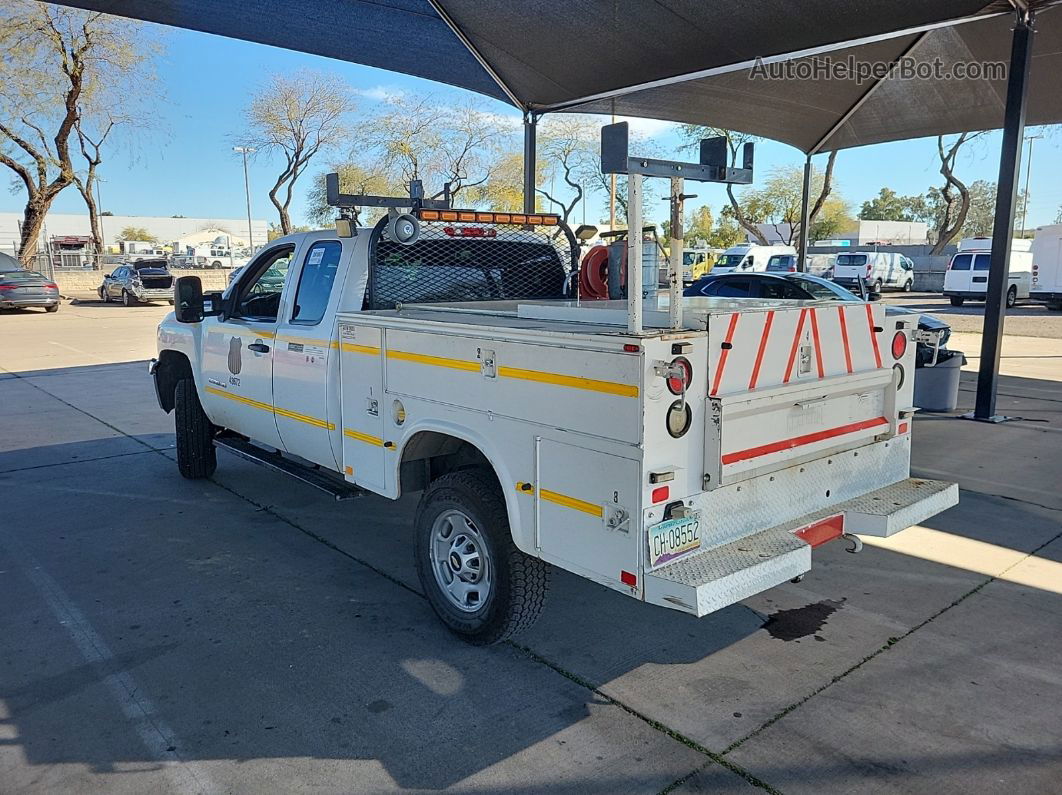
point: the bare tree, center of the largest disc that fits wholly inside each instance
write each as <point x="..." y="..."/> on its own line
<point x="568" y="146"/>
<point x="416" y="138"/>
<point x="735" y="141"/>
<point x="92" y="152"/>
<point x="57" y="63"/>
<point x="955" y="196"/>
<point x="296" y="116"/>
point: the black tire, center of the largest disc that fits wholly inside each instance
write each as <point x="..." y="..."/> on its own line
<point x="128" y="299"/>
<point x="957" y="300"/>
<point x="908" y="285"/>
<point x="519" y="582"/>
<point x="877" y="286"/>
<point x="196" y="456"/>
<point x="52" y="308"/>
<point x="105" y="295"/>
<point x="1012" y="297"/>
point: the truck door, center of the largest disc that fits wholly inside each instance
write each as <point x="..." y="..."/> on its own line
<point x="238" y="351"/>
<point x="306" y="352"/>
<point x="957" y="279"/>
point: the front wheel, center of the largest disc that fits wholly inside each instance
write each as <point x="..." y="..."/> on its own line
<point x="478" y="583"/>
<point x="105" y="295"/>
<point x="128" y="299"/>
<point x="957" y="300"/>
<point x="908" y="285"/>
<point x="1012" y="297"/>
<point x="196" y="456"/>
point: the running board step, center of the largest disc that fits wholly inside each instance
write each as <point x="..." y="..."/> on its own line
<point x="715" y="578"/>
<point x="318" y="478"/>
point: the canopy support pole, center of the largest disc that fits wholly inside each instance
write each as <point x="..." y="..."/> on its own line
<point x="530" y="158"/>
<point x="804" y="218"/>
<point x="1003" y="228"/>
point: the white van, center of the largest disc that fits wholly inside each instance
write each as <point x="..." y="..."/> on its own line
<point x="967" y="275"/>
<point x="879" y="269"/>
<point x="1047" y="266"/>
<point x="748" y="258"/>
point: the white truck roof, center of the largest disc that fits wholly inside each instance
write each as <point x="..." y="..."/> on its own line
<point x="985" y="244"/>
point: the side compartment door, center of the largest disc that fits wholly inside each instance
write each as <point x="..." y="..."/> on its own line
<point x="302" y="356"/>
<point x="238" y="352"/>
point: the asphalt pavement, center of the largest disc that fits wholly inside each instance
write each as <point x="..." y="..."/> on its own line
<point x="246" y="634"/>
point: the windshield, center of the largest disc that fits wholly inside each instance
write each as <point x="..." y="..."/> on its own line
<point x="780" y="262"/>
<point x="20" y="276"/>
<point x="824" y="291"/>
<point x="729" y="260"/>
<point x="692" y="258"/>
<point x="851" y="259"/>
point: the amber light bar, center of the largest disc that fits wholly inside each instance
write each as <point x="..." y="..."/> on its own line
<point x="473" y="216"/>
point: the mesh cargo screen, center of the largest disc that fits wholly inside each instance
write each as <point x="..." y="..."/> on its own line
<point x="453" y="262"/>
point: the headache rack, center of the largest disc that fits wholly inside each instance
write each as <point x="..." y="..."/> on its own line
<point x="460" y="255"/>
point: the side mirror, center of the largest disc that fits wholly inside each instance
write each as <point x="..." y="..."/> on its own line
<point x="188" y="300"/>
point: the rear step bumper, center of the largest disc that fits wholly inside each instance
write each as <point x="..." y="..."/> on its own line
<point x="718" y="577"/>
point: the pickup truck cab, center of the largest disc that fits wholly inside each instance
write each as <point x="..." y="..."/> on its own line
<point x="689" y="468"/>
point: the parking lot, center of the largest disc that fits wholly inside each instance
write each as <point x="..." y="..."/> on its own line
<point x="247" y="634"/>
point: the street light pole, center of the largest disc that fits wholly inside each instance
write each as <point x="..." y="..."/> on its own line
<point x="1028" y="171"/>
<point x="245" y="150"/>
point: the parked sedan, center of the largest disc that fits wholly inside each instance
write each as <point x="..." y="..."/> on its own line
<point x="20" y="289"/>
<point x="804" y="287"/>
<point x="145" y="280"/>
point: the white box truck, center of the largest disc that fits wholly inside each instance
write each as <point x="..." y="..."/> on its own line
<point x="1047" y="266"/>
<point x="967" y="276"/>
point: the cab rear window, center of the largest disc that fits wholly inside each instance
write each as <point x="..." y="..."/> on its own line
<point x="961" y="262"/>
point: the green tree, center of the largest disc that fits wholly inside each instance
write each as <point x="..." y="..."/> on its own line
<point x="725" y="233"/>
<point x="353" y="178"/>
<point x="699" y="226"/>
<point x="735" y="141"/>
<point x="778" y="202"/>
<point x="60" y="67"/>
<point x="980" y="220"/>
<point x="138" y="233"/>
<point x="890" y="206"/>
<point x="274" y="231"/>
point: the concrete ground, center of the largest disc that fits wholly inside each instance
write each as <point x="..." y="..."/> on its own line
<point x="245" y="634"/>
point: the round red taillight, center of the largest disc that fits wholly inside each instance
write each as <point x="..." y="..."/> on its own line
<point x="899" y="345"/>
<point x="675" y="384"/>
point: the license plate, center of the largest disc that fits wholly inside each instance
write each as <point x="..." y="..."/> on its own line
<point x="672" y="539"/>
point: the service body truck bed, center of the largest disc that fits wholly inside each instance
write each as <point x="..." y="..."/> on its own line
<point x="687" y="467"/>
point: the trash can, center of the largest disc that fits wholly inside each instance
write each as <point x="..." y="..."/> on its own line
<point x="937" y="388"/>
<point x="617" y="254"/>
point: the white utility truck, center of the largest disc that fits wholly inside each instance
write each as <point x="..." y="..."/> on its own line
<point x="967" y="276"/>
<point x="688" y="454"/>
<point x="1047" y="266"/>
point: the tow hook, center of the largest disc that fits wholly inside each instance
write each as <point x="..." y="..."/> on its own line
<point x="855" y="542"/>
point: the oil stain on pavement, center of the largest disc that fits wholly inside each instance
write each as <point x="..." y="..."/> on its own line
<point x="800" y="621"/>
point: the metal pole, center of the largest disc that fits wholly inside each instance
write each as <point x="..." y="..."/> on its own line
<point x="674" y="271"/>
<point x="1003" y="229"/>
<point x="99" y="223"/>
<point x="245" y="150"/>
<point x="530" y="158"/>
<point x="634" y="253"/>
<point x="804" y="220"/>
<point x="1028" y="172"/>
<point x="612" y="190"/>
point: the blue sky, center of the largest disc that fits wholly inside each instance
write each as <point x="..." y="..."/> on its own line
<point x="185" y="165"/>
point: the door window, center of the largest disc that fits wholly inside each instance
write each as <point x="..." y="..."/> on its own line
<point x="982" y="262"/>
<point x="961" y="262"/>
<point x="316" y="278"/>
<point x="728" y="288"/>
<point x="783" y="290"/>
<point x="258" y="297"/>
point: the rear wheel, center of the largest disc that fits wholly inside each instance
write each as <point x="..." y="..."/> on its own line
<point x="128" y="299"/>
<point x="877" y="286"/>
<point x="52" y="308"/>
<point x="196" y="455"/>
<point x="1012" y="297"/>
<point x="957" y="300"/>
<point x="478" y="583"/>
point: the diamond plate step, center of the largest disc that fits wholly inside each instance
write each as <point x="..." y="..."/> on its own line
<point x="711" y="580"/>
<point x="897" y="507"/>
<point x="717" y="577"/>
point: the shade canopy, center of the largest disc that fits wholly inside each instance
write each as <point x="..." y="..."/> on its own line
<point x="679" y="60"/>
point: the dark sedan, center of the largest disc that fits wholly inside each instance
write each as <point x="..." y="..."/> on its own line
<point x="20" y="289"/>
<point x="803" y="287"/>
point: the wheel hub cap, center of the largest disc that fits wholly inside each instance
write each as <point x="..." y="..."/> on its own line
<point x="460" y="561"/>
